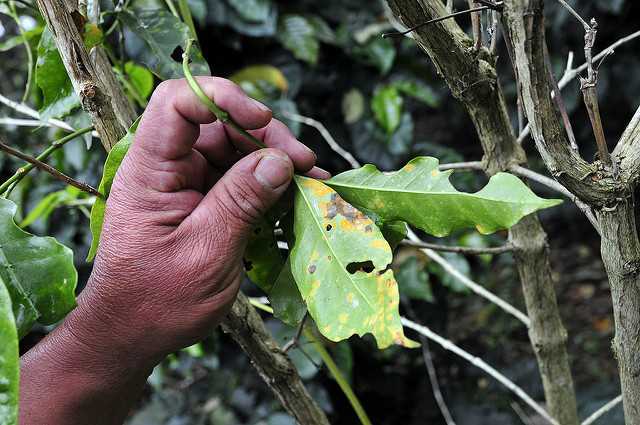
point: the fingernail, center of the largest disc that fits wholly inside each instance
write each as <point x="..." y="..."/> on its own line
<point x="319" y="173"/>
<point x="261" y="106"/>
<point x="272" y="171"/>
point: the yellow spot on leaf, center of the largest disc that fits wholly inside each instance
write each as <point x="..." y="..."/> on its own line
<point x="434" y="173"/>
<point x="346" y="225"/>
<point x="318" y="189"/>
<point x="343" y="317"/>
<point x="409" y="167"/>
<point x="379" y="243"/>
<point x="314" y="288"/>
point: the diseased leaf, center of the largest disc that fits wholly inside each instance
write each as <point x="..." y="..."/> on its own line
<point x="262" y="257"/>
<point x="9" y="360"/>
<point x="297" y="34"/>
<point x="111" y="165"/>
<point x="38" y="272"/>
<point x="423" y="197"/>
<point x="285" y="298"/>
<point x="339" y="261"/>
<point x="163" y="34"/>
<point x="386" y="105"/>
<point x="51" y="77"/>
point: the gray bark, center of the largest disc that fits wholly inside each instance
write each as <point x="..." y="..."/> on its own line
<point x="472" y="78"/>
<point x="609" y="194"/>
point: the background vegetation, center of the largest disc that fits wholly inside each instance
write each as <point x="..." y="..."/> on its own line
<point x="381" y="100"/>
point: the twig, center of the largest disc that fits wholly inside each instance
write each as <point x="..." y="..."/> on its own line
<point x="570" y="74"/>
<point x="557" y="96"/>
<point x="574" y="13"/>
<point x="470" y="165"/>
<point x="433" y="378"/>
<point x="433" y="21"/>
<point x="344" y="154"/>
<point x="479" y="363"/>
<point x="552" y="184"/>
<point x="601" y="411"/>
<point x="23" y="171"/>
<point x="294" y="342"/>
<point x="459" y="249"/>
<point x="24" y="109"/>
<point x="49" y="169"/>
<point x="27" y="47"/>
<point x="220" y="114"/>
<point x="520" y="413"/>
<point x="473" y="286"/>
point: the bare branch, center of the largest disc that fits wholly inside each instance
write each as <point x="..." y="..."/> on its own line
<point x="344" y="154"/>
<point x="459" y="249"/>
<point x="601" y="411"/>
<point x="49" y="169"/>
<point x="433" y="21"/>
<point x="24" y="109"/>
<point x="557" y="96"/>
<point x="470" y="165"/>
<point x="575" y="14"/>
<point x="481" y="364"/>
<point x="433" y="378"/>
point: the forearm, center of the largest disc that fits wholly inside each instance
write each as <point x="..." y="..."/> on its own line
<point x="66" y="380"/>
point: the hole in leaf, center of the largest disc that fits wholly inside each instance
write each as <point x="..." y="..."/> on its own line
<point x="312" y="269"/>
<point x="364" y="266"/>
<point x="176" y="55"/>
<point x="248" y="265"/>
<point x="329" y="227"/>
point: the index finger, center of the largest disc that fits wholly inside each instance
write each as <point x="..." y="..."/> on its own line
<point x="171" y="123"/>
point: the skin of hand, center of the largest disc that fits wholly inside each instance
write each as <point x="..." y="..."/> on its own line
<point x="169" y="264"/>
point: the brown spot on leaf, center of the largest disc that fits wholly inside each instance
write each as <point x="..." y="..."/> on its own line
<point x="312" y="268"/>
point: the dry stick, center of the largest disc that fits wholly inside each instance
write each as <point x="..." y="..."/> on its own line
<point x="433" y="21"/>
<point x="601" y="411"/>
<point x="344" y="154"/>
<point x="571" y="73"/>
<point x="459" y="249"/>
<point x="433" y="378"/>
<point x="49" y="169"/>
<point x="481" y="364"/>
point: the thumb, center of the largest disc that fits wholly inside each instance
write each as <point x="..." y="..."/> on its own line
<point x="243" y="195"/>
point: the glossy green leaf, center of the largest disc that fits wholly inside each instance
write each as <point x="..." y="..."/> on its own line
<point x="9" y="360"/>
<point x="51" y="77"/>
<point x="339" y="261"/>
<point x="414" y="280"/>
<point x="285" y="297"/>
<point x="262" y="257"/>
<point x="297" y="34"/>
<point x="38" y="272"/>
<point x="424" y="197"/>
<point x="111" y="165"/>
<point x="49" y="203"/>
<point x="163" y="34"/>
<point x="386" y="105"/>
<point x="141" y="79"/>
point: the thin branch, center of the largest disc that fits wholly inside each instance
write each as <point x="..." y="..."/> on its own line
<point x="433" y="21"/>
<point x="433" y="378"/>
<point x="520" y="413"/>
<point x="479" y="363"/>
<point x="575" y="14"/>
<point x="344" y="154"/>
<point x="49" y="169"/>
<point x="24" y="109"/>
<point x="557" y="96"/>
<point x="23" y="171"/>
<point x="571" y="73"/>
<point x="473" y="286"/>
<point x="470" y="165"/>
<point x="459" y="249"/>
<point x="553" y="184"/>
<point x="601" y="411"/>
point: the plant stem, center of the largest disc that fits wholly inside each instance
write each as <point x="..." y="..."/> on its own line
<point x="49" y="169"/>
<point x="185" y="12"/>
<point x="25" y="42"/>
<point x="23" y="171"/>
<point x="172" y="8"/>
<point x="331" y="365"/>
<point x="219" y="113"/>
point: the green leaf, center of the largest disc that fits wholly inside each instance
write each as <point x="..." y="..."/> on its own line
<point x="9" y="360"/>
<point x="111" y="165"/>
<point x="256" y="73"/>
<point x="423" y="197"/>
<point x="49" y="203"/>
<point x="262" y="257"/>
<point x="379" y="52"/>
<point x="51" y="77"/>
<point x="297" y="34"/>
<point x="339" y="261"/>
<point x="141" y="79"/>
<point x="252" y="10"/>
<point x="419" y="91"/>
<point x="285" y="298"/>
<point x="17" y="40"/>
<point x="386" y="105"/>
<point x="38" y="272"/>
<point x="163" y="33"/>
<point x="414" y="280"/>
